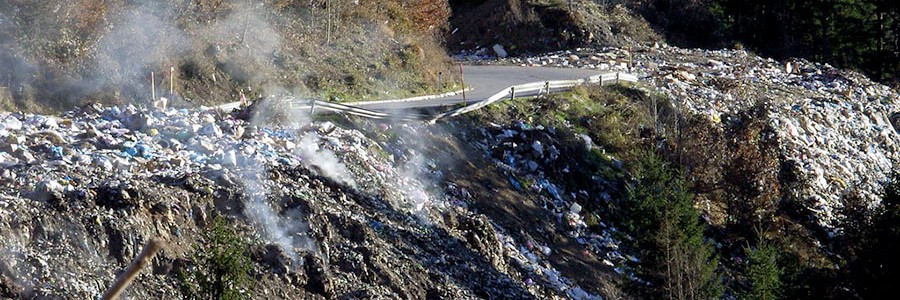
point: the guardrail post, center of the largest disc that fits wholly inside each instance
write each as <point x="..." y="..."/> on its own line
<point x="512" y="93"/>
<point x="547" y="86"/>
<point x="617" y="77"/>
<point x="312" y="107"/>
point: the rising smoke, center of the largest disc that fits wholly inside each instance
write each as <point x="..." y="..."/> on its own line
<point x="324" y="159"/>
<point x="421" y="193"/>
<point x="139" y="41"/>
<point x="288" y="230"/>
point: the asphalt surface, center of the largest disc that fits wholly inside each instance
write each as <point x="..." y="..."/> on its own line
<point x="486" y="81"/>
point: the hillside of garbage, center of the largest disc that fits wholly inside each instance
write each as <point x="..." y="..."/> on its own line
<point x="832" y="127"/>
<point x="332" y="208"/>
<point x="796" y="152"/>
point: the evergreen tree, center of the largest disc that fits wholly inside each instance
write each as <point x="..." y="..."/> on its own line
<point x="763" y="273"/>
<point x="668" y="233"/>
<point x="856" y="34"/>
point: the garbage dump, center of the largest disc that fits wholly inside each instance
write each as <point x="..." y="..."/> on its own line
<point x="834" y="125"/>
<point x="329" y="211"/>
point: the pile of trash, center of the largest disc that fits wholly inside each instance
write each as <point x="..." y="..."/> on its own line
<point x="530" y="156"/>
<point x="606" y="59"/>
<point x="331" y="212"/>
<point x="833" y="124"/>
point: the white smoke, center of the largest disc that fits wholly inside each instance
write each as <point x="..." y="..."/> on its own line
<point x="139" y="40"/>
<point x="417" y="197"/>
<point x="323" y="159"/>
<point x="420" y="192"/>
<point x="288" y="230"/>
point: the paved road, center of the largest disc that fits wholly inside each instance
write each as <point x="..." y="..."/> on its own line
<point x="486" y="81"/>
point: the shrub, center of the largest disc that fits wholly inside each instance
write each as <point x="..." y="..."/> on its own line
<point x="220" y="268"/>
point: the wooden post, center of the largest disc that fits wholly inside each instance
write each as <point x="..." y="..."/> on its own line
<point x="139" y="262"/>
<point x="172" y="81"/>
<point x="630" y="58"/>
<point x="152" y="86"/>
<point x="463" y="80"/>
<point x="440" y="81"/>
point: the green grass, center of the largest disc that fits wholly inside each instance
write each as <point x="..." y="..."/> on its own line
<point x="611" y="116"/>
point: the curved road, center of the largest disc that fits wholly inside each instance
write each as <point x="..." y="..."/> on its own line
<point x="486" y="81"/>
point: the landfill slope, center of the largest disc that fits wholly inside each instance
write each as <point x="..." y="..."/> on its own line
<point x="344" y="209"/>
<point x="475" y="207"/>
<point x="831" y="126"/>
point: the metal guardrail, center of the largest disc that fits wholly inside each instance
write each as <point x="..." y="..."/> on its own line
<point x="540" y="87"/>
<point x="507" y="93"/>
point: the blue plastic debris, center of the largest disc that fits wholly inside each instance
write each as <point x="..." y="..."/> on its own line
<point x="515" y="183"/>
<point x="507" y="157"/>
<point x="377" y="226"/>
<point x="128" y="152"/>
<point x="198" y="158"/>
<point x="142" y="150"/>
<point x="56" y="152"/>
<point x="550" y="189"/>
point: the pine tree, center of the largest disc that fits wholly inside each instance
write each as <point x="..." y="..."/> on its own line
<point x="668" y="234"/>
<point x="763" y="273"/>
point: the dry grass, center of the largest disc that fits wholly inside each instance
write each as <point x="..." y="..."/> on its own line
<point x="65" y="53"/>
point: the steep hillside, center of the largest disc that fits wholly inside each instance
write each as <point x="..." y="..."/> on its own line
<point x="59" y="54"/>
<point x="793" y="153"/>
<point x="536" y="26"/>
<point x="719" y="174"/>
<point x="336" y="209"/>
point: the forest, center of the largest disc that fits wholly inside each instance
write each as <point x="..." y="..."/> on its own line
<point x="858" y="34"/>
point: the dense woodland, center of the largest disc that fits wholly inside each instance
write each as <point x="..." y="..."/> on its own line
<point x="857" y="34"/>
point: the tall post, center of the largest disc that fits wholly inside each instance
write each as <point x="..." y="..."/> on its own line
<point x="152" y="86"/>
<point x="172" y="81"/>
<point x="630" y="58"/>
<point x="463" y="80"/>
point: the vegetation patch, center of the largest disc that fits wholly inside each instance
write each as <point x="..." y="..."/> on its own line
<point x="220" y="266"/>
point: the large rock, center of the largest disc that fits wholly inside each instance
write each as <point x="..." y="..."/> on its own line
<point x="500" y="51"/>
